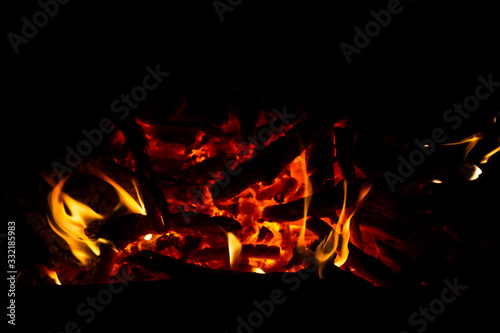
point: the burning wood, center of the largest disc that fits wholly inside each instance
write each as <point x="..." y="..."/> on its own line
<point x="279" y="206"/>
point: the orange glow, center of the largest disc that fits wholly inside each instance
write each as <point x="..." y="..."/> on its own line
<point x="52" y="274"/>
<point x="338" y="239"/>
<point x="235" y="247"/>
<point x="69" y="218"/>
<point x="470" y="140"/>
<point x="437" y="181"/>
<point x="148" y="237"/>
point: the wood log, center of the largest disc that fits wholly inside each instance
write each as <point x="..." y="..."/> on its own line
<point x="270" y="161"/>
<point x="322" y="204"/>
<point x="222" y="253"/>
<point x="153" y="197"/>
<point x="203" y="222"/>
<point x="173" y="267"/>
<point x="371" y="269"/>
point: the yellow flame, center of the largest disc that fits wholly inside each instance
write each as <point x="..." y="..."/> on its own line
<point x="338" y="239"/>
<point x="487" y="156"/>
<point x="470" y="140"/>
<point x="258" y="270"/>
<point x="69" y="218"/>
<point x="437" y="181"/>
<point x="235" y="247"/>
<point x="52" y="274"/>
<point x="301" y="242"/>
<point x="125" y="199"/>
<point x="476" y="173"/>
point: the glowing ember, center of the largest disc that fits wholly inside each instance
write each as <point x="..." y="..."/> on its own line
<point x="148" y="237"/>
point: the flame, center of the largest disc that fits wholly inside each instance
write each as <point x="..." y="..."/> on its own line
<point x="258" y="270"/>
<point x="477" y="171"/>
<point x="235" y="247"/>
<point x="487" y="156"/>
<point x="301" y="242"/>
<point x="125" y="199"/>
<point x="437" y="181"/>
<point x="148" y="237"/>
<point x="52" y="274"/>
<point x="470" y="140"/>
<point x="338" y="239"/>
<point x="69" y="218"/>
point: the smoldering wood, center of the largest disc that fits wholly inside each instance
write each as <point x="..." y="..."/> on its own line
<point x="174" y="268"/>
<point x="271" y="160"/>
<point x="203" y="222"/>
<point x="322" y="204"/>
<point x="370" y="268"/>
<point x="258" y="251"/>
<point x="183" y="132"/>
<point x="154" y="199"/>
<point x="343" y="143"/>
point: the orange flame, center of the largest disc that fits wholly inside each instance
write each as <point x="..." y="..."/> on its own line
<point x="69" y="218"/>
<point x="470" y="140"/>
<point x="491" y="153"/>
<point x="52" y="274"/>
<point x="235" y="247"/>
<point x="308" y="191"/>
<point x="338" y="239"/>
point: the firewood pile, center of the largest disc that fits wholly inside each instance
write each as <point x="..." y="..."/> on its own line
<point x="192" y="186"/>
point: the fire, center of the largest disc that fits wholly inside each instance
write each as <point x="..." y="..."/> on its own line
<point x="69" y="218"/>
<point x="476" y="172"/>
<point x="471" y="143"/>
<point x="148" y="237"/>
<point x="52" y="274"/>
<point x="470" y="140"/>
<point x="301" y="242"/>
<point x="491" y="153"/>
<point x="235" y="247"/>
<point x="338" y="240"/>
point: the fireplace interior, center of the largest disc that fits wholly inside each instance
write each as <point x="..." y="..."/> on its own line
<point x="263" y="184"/>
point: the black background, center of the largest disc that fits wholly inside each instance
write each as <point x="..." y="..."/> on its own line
<point x="65" y="78"/>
